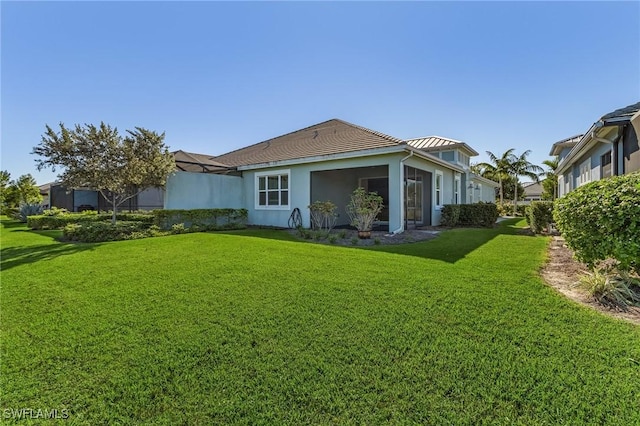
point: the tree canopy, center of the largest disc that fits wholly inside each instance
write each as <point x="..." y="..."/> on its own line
<point x="98" y="157"/>
<point x="14" y="193"/>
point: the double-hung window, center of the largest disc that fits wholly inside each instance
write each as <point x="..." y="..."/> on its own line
<point x="272" y="190"/>
<point x="438" y="189"/>
<point x="456" y="190"/>
<point x="585" y="172"/>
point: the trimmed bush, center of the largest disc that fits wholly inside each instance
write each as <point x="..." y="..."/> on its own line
<point x="94" y="232"/>
<point x="59" y="220"/>
<point x="450" y="214"/>
<point x="204" y="219"/>
<point x="601" y="220"/>
<point x="539" y="215"/>
<point x="478" y="214"/>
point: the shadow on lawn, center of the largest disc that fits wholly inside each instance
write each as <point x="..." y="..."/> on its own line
<point x="453" y="245"/>
<point x="15" y="256"/>
<point x="450" y="246"/>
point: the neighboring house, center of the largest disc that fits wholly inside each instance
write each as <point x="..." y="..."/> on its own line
<point x="532" y="192"/>
<point x="55" y="194"/>
<point x="327" y="161"/>
<point x="608" y="148"/>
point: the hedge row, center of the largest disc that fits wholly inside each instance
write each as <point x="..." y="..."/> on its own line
<point x="59" y="221"/>
<point x="210" y="219"/>
<point x="601" y="220"/>
<point x="539" y="215"/>
<point x="94" y="232"/>
<point x="479" y="214"/>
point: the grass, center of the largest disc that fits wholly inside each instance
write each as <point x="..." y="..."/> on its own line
<point x="250" y="327"/>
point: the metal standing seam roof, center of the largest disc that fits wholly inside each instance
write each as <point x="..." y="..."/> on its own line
<point x="329" y="137"/>
<point x="438" y="143"/>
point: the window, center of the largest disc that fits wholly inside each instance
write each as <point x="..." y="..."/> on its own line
<point x="605" y="165"/>
<point x="463" y="158"/>
<point x="478" y="189"/>
<point x="585" y="172"/>
<point x="438" y="189"/>
<point x="272" y="190"/>
<point x="456" y="190"/>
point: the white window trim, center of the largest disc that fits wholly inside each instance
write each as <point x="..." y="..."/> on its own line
<point x="256" y="191"/>
<point x="457" y="186"/>
<point x="435" y="190"/>
<point x="585" y="172"/>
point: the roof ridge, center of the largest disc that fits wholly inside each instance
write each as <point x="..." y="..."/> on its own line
<point x="436" y="136"/>
<point x="374" y="132"/>
<point x="275" y="137"/>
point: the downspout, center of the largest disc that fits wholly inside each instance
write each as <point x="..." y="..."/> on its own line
<point x="402" y="201"/>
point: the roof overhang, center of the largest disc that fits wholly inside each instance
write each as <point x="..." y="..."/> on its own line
<point x="354" y="154"/>
<point x="484" y="180"/>
<point x="596" y="134"/>
<point x="557" y="147"/>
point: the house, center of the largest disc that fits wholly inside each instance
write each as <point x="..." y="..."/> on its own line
<point x="608" y="148"/>
<point x="327" y="161"/>
<point x="532" y="192"/>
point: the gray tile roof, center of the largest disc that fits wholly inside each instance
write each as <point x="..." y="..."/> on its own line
<point x="556" y="148"/>
<point x="200" y="163"/>
<point x="622" y="113"/>
<point x="329" y="137"/>
<point x="438" y="143"/>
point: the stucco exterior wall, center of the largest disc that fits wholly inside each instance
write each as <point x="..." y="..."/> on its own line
<point x="300" y="189"/>
<point x="186" y="190"/>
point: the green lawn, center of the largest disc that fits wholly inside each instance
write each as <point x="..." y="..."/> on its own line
<point x="251" y="327"/>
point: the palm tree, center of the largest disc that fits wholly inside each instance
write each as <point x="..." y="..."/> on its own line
<point x="500" y="169"/>
<point x="520" y="166"/>
<point x="550" y="176"/>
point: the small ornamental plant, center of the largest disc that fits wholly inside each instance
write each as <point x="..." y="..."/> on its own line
<point x="363" y="210"/>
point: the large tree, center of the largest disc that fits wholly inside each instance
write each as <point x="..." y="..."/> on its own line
<point x="98" y="157"/>
<point x="520" y="166"/>
<point x="499" y="169"/>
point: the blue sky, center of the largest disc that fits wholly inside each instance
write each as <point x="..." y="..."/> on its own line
<point x="219" y="76"/>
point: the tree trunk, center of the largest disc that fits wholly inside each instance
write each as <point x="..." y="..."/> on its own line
<point x="515" y="199"/>
<point x="113" y="202"/>
<point x="501" y="196"/>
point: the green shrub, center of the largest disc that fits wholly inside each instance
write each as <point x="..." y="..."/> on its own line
<point x="323" y="215"/>
<point x="178" y="228"/>
<point x="450" y="214"/>
<point x="478" y="214"/>
<point x="28" y="209"/>
<point x="539" y="215"/>
<point x="208" y="219"/>
<point x="613" y="289"/>
<point x="54" y="211"/>
<point x="93" y="232"/>
<point x="58" y="220"/>
<point x="601" y="220"/>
